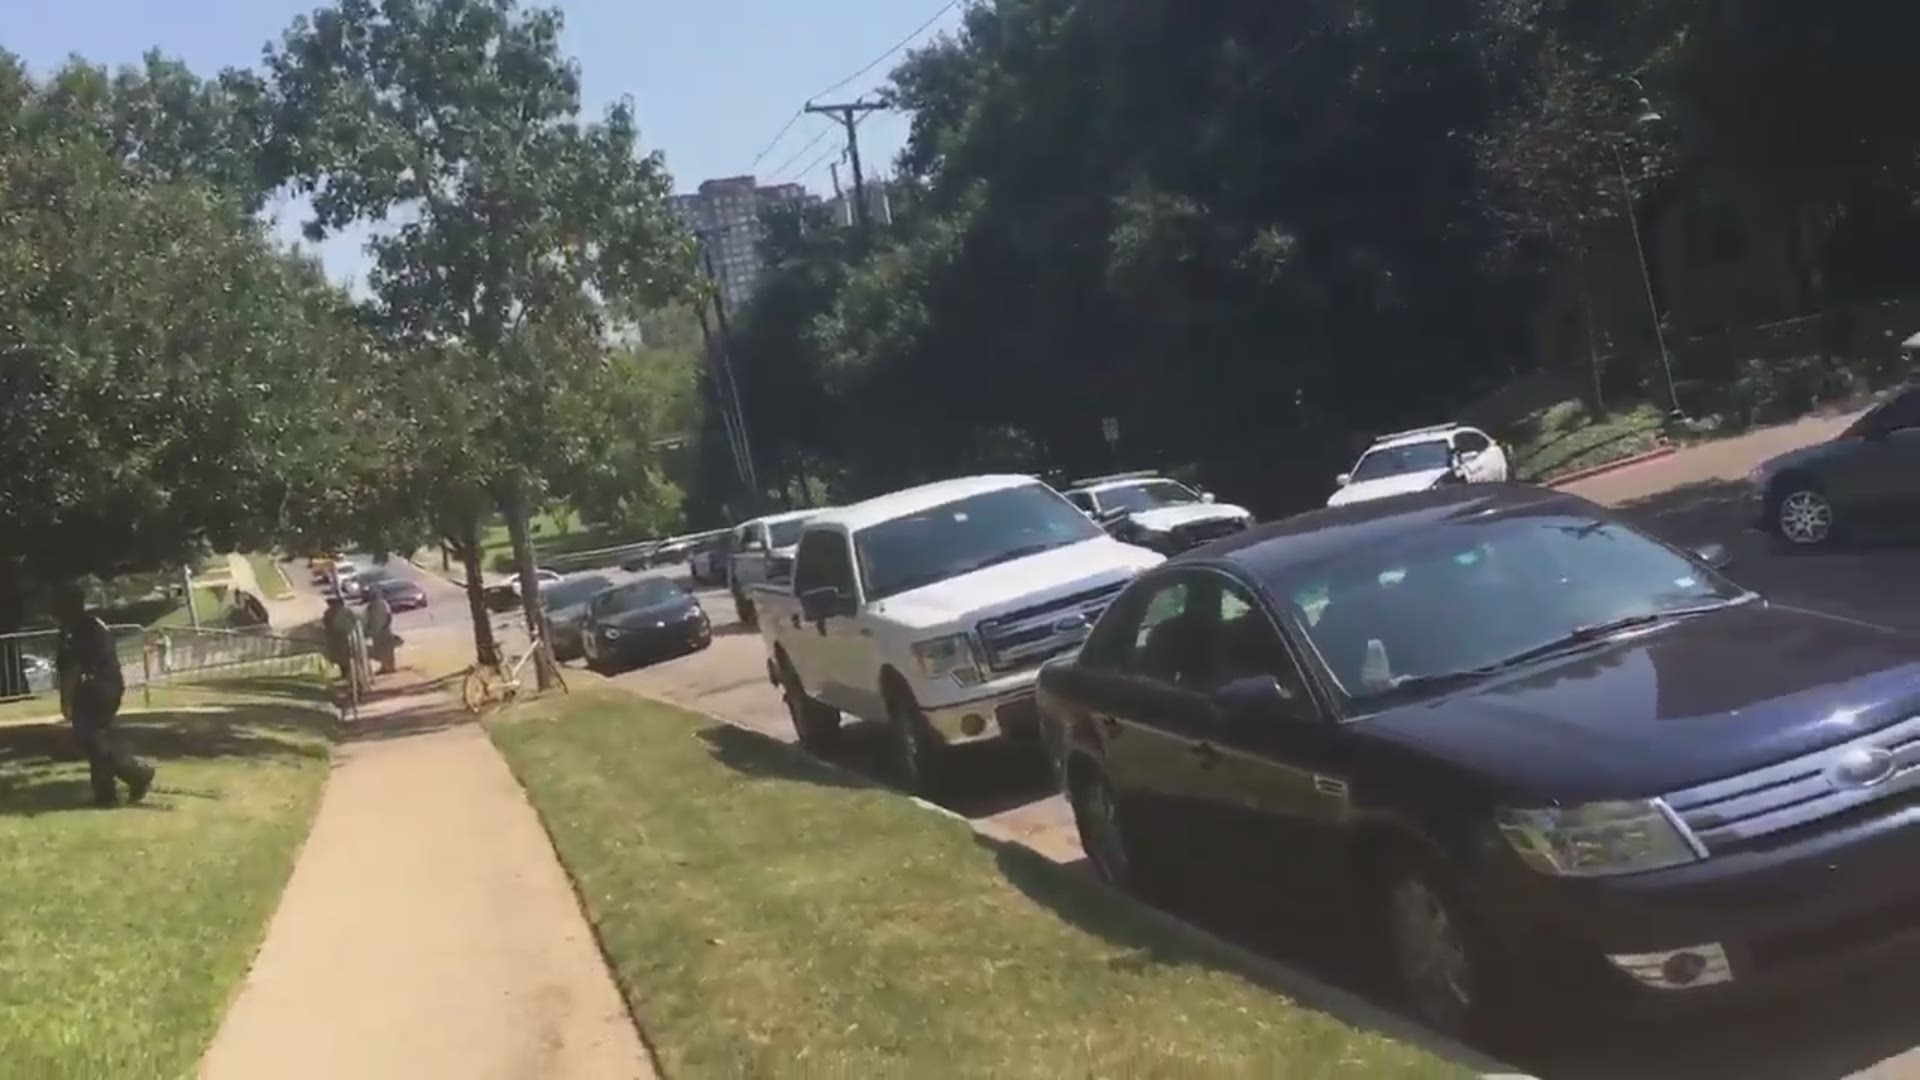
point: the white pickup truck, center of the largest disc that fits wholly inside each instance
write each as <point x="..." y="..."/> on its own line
<point x="762" y="553"/>
<point x="932" y="609"/>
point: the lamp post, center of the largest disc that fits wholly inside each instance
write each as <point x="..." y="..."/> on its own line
<point x="1646" y="273"/>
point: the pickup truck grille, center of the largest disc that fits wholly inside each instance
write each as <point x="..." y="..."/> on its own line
<point x="1742" y="812"/>
<point x="1035" y="634"/>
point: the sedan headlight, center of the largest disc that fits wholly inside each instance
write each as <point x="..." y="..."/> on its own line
<point x="1599" y="839"/>
<point x="952" y="655"/>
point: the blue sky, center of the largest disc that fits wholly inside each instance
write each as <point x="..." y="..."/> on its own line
<point x="712" y="82"/>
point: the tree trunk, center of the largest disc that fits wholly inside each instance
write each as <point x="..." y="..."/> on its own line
<point x="513" y="504"/>
<point x="1597" y="405"/>
<point x="468" y="545"/>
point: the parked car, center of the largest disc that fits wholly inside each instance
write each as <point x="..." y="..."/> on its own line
<point x="345" y="581"/>
<point x="566" y="605"/>
<point x="504" y="595"/>
<point x="401" y="594"/>
<point x="1527" y="740"/>
<point x="931" y="610"/>
<point x="1155" y="512"/>
<point x="708" y="563"/>
<point x="762" y="551"/>
<point x="1865" y="479"/>
<point x="648" y="618"/>
<point x="1420" y="459"/>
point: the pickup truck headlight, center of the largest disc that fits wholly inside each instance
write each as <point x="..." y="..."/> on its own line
<point x="1599" y="839"/>
<point x="952" y="655"/>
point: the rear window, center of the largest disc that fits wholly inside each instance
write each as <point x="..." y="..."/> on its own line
<point x="641" y="594"/>
<point x="568" y="593"/>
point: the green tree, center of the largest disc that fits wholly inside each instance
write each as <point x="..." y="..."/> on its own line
<point x="517" y="223"/>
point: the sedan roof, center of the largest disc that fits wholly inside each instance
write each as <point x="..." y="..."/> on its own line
<point x="1280" y="546"/>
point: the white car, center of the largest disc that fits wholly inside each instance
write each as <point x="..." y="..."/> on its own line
<point x="931" y="610"/>
<point x="762" y="553"/>
<point x="1153" y="511"/>
<point x="1424" y="458"/>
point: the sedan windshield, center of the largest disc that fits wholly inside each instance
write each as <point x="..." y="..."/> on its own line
<point x="1138" y="497"/>
<point x="971" y="534"/>
<point x="566" y="594"/>
<point x="1400" y="460"/>
<point x="1461" y="600"/>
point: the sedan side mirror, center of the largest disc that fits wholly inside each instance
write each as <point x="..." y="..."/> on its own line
<point x="1255" y="700"/>
<point x="1343" y="480"/>
<point x="1714" y="555"/>
<point x="819" y="605"/>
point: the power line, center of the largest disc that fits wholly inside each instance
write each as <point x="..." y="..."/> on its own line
<point x="817" y="162"/>
<point x="798" y="154"/>
<point x="788" y="126"/>
<point x="903" y="43"/>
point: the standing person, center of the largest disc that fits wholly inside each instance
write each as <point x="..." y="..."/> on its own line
<point x="337" y="625"/>
<point x="91" y="686"/>
<point x="380" y="635"/>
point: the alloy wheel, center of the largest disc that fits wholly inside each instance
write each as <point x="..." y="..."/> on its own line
<point x="1430" y="953"/>
<point x="1806" y="517"/>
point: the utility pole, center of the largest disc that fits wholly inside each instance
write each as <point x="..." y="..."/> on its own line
<point x="849" y="117"/>
<point x="732" y="411"/>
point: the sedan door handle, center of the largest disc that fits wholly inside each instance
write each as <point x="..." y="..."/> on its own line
<point x="1208" y="756"/>
<point x="796" y="622"/>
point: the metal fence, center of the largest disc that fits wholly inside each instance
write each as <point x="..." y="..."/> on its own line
<point x="172" y="656"/>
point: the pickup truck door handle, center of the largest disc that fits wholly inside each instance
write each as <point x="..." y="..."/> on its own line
<point x="1209" y="757"/>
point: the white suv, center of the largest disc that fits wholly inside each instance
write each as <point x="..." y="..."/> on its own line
<point x="1420" y="459"/>
<point x="1155" y="512"/>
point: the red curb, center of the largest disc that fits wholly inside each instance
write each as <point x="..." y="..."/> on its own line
<point x="1614" y="466"/>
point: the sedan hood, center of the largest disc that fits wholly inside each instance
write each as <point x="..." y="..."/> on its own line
<point x="1169" y="518"/>
<point x="1694" y="701"/>
<point x="1385" y="486"/>
<point x="957" y="603"/>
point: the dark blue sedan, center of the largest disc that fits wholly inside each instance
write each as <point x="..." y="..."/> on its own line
<point x="1525" y="739"/>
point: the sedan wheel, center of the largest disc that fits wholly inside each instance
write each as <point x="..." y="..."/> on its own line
<point x="1096" y="812"/>
<point x="1805" y="518"/>
<point x="1432" y="959"/>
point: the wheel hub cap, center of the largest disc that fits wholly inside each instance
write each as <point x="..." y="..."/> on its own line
<point x="1805" y="518"/>
<point x="1429" y="950"/>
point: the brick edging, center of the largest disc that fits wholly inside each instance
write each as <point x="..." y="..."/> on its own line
<point x="1577" y="475"/>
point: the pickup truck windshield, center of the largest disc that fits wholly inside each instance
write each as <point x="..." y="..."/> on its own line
<point x="1461" y="600"/>
<point x="1148" y="496"/>
<point x="972" y="534"/>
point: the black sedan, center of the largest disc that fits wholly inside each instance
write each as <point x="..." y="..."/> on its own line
<point x="650" y="618"/>
<point x="401" y="594"/>
<point x="566" y="605"/>
<point x="1527" y="741"/>
<point x="1866" y="479"/>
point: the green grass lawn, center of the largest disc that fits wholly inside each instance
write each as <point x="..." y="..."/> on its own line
<point x="561" y="533"/>
<point x="765" y="916"/>
<point x="267" y="569"/>
<point x="124" y="932"/>
<point x="1564" y="438"/>
<point x="207" y="602"/>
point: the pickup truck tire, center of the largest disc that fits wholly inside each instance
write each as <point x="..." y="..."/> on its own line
<point x="816" y="725"/>
<point x="743" y="607"/>
<point x="916" y="754"/>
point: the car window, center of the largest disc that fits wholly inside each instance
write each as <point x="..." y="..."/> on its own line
<point x="568" y="593"/>
<point x="1163" y="637"/>
<point x="785" y="533"/>
<point x="1902" y="412"/>
<point x="823" y="562"/>
<point x="1081" y="499"/>
<point x="1248" y="645"/>
<point x="1400" y="460"/>
<point x="1470" y="442"/>
<point x="1149" y="495"/>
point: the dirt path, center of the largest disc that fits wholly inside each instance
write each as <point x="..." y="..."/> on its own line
<point x="428" y="929"/>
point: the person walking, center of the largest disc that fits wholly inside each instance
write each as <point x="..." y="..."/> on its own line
<point x="91" y="686"/>
<point x="337" y="626"/>
<point x="381" y="639"/>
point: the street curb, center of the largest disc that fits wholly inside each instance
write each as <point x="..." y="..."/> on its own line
<point x="430" y="572"/>
<point x="1271" y="973"/>
<point x="1614" y="466"/>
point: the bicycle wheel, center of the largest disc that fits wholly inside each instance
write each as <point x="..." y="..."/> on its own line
<point x="479" y="689"/>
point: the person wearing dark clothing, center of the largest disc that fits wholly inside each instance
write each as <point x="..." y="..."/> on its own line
<point x="338" y="626"/>
<point x="91" y="687"/>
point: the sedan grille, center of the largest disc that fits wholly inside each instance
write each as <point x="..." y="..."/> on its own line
<point x="1807" y="792"/>
<point x="1035" y="634"/>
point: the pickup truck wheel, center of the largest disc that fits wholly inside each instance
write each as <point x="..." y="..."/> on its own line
<point x="743" y="607"/>
<point x="817" y="725"/>
<point x="916" y="756"/>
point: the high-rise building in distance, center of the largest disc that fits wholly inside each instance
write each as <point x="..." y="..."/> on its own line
<point x="725" y="215"/>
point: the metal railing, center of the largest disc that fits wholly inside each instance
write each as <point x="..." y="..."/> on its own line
<point x="27" y="660"/>
<point x="173" y="656"/>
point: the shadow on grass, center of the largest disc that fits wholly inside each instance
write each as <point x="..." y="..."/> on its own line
<point x="36" y="760"/>
<point x="765" y="758"/>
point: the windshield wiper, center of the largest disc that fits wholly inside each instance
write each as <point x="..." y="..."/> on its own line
<point x="1579" y="636"/>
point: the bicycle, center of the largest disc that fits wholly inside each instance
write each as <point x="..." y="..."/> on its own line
<point x="491" y="684"/>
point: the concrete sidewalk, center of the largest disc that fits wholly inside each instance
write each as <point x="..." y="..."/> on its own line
<point x="428" y="929"/>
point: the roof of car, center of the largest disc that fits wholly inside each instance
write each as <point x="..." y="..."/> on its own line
<point x="1112" y="482"/>
<point x="914" y="500"/>
<point x="1280" y="546"/>
<point x="1417" y="435"/>
<point x="776" y="519"/>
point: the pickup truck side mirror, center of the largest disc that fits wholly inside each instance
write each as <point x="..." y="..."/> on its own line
<point x="1343" y="480"/>
<point x="752" y="544"/>
<point x="819" y="605"/>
